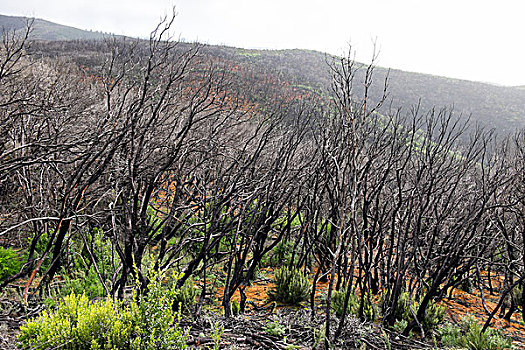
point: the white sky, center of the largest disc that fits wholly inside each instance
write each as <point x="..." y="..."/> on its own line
<point x="482" y="40"/>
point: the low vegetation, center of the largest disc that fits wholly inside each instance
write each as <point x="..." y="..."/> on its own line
<point x="291" y="286"/>
<point x="10" y="263"/>
<point x="469" y="335"/>
<point x="146" y="322"/>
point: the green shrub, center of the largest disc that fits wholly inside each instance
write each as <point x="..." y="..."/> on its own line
<point x="399" y="326"/>
<point x="156" y="322"/>
<point x="406" y="308"/>
<point x="291" y="286"/>
<point x="449" y="334"/>
<point x="185" y="297"/>
<point x="83" y="282"/>
<point x="216" y="334"/>
<point x="434" y="316"/>
<point x="370" y="310"/>
<point x="40" y="248"/>
<point x="10" y="263"/>
<point x="79" y="274"/>
<point x="275" y="328"/>
<point x="94" y="245"/>
<point x="78" y="324"/>
<point x="469" y="336"/>
<point x="102" y="249"/>
<point x="338" y="300"/>
<point x="147" y="323"/>
<point x="402" y="310"/>
<point x="281" y="254"/>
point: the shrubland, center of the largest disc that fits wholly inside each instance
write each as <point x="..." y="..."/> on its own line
<point x="157" y="159"/>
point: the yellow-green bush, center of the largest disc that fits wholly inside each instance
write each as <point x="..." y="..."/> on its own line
<point x="80" y="324"/>
<point x="147" y="323"/>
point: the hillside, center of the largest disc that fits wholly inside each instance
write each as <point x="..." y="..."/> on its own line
<point x="494" y="107"/>
<point x="498" y="107"/>
<point x="45" y="30"/>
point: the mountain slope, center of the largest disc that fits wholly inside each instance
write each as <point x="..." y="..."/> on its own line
<point x="45" y="30"/>
<point x="494" y="107"/>
<point x="498" y="107"/>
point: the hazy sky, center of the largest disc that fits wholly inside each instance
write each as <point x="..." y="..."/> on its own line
<point x="481" y="40"/>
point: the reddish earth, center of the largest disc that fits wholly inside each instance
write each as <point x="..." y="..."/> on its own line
<point x="462" y="304"/>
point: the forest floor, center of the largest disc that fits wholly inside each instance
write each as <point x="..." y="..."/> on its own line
<point x="460" y="304"/>
<point x="268" y="325"/>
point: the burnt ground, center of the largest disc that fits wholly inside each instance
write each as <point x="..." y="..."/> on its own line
<point x="268" y="328"/>
<point x="271" y="326"/>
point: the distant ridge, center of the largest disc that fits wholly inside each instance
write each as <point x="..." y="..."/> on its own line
<point x="45" y="30"/>
<point x="501" y="108"/>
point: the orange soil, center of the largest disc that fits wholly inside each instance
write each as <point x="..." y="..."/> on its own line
<point x="258" y="291"/>
<point x="464" y="304"/>
<point x="461" y="304"/>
